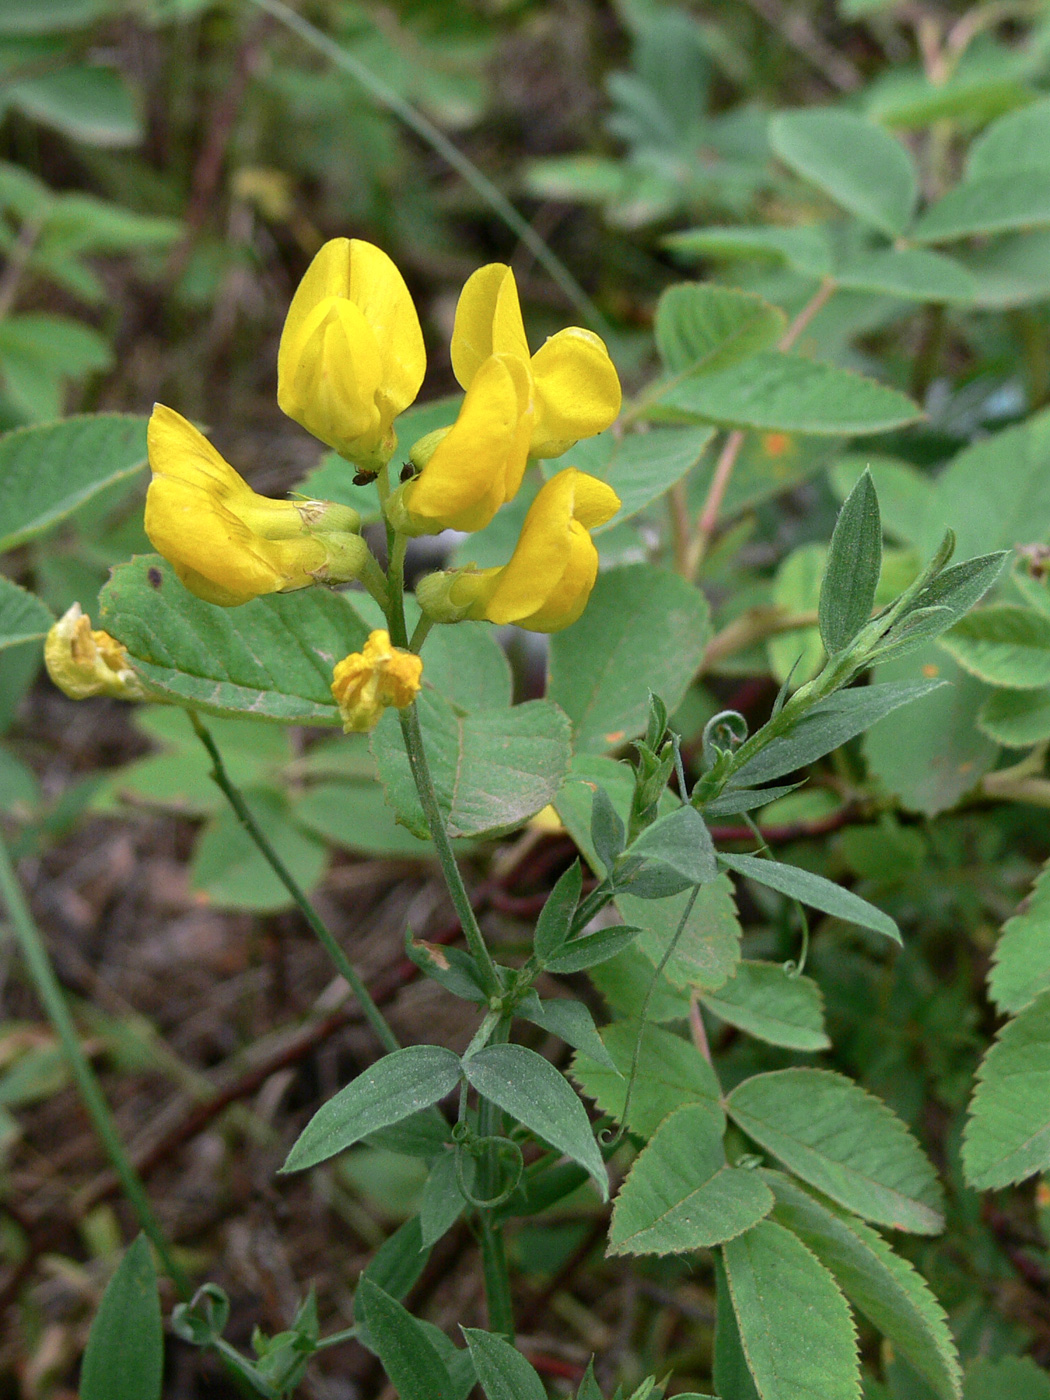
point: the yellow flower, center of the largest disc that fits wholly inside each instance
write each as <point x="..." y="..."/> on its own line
<point x="351" y="356"/>
<point x="83" y="663"/>
<point x="227" y="543"/>
<point x="478" y="463"/>
<point x="576" y="391"/>
<point x="549" y="578"/>
<point x="367" y="681"/>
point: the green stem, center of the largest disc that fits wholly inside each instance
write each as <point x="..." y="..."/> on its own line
<point x="220" y="777"/>
<point x="493" y="1250"/>
<point x="48" y="989"/>
<point x="373" y="579"/>
<point x="419" y="634"/>
<point x="395" y="588"/>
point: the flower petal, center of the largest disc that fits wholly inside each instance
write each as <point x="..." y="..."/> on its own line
<point x="488" y="321"/>
<point x="577" y="391"/>
<point x="378" y="288"/>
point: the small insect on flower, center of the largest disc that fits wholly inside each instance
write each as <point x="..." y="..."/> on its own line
<point x="371" y="680"/>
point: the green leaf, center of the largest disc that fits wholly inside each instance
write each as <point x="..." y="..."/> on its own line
<point x="996" y="203"/>
<point x="799" y="653"/>
<point x="629" y="984"/>
<point x="671" y="1074"/>
<point x="1018" y="141"/>
<point x="776" y="1006"/>
<point x="552" y="927"/>
<point x="883" y="1286"/>
<point x="393" y="1088"/>
<point x="681" y="1194"/>
<point x="397" y="1263"/>
<point x="1016" y="718"/>
<point x="50" y="470"/>
<point x="124" y="1359"/>
<point x="845" y="1142"/>
<point x="906" y="496"/>
<point x="708" y="948"/>
<point x="804" y="249"/>
<point x="442" y="1201"/>
<point x="569" y="1020"/>
<point x="23" y="617"/>
<point x="529" y="1088"/>
<point x="729" y="1369"/>
<point x="913" y="274"/>
<point x="231" y="871"/>
<point x="859" y="165"/>
<point x="847" y="593"/>
<point x="795" y="1326"/>
<point x="1012" y="270"/>
<point x="962" y="585"/>
<point x="1021" y="961"/>
<point x="678" y="849"/>
<point x="590" y="949"/>
<point x="492" y="769"/>
<point x="1007" y="1137"/>
<point x="815" y="891"/>
<point x="409" y="1357"/>
<point x="1015" y="1376"/>
<point x="271" y="658"/>
<point x="84" y="101"/>
<point x="988" y="80"/>
<point x="503" y="1373"/>
<point x="700" y="327"/>
<point x="639" y="466"/>
<point x="788" y="392"/>
<point x="16" y="18"/>
<point x="356" y="817"/>
<point x="1004" y="645"/>
<point x="636" y="611"/>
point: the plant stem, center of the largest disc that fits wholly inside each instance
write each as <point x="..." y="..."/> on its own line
<point x="395" y="589"/>
<point x="48" y="989"/>
<point x="233" y="795"/>
<point x="493" y="1250"/>
<point x="420" y="632"/>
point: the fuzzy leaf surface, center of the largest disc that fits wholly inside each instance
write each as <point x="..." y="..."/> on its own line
<point x="1007" y="1137"/>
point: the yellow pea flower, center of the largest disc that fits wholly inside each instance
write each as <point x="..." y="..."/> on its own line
<point x="478" y="463"/>
<point x="83" y="663"/>
<point x="367" y="682"/>
<point x="227" y="543"/>
<point x="549" y="578"/>
<point x="351" y="356"/>
<point x="575" y="386"/>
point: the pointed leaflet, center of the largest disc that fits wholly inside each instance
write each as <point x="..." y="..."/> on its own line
<point x="883" y="1286"/>
<point x="678" y="850"/>
<point x="1021" y="969"/>
<point x="409" y="1358"/>
<point x="815" y="891"/>
<point x="1007" y="1137"/>
<point x="847" y="591"/>
<point x="503" y="1373"/>
<point x="991" y="204"/>
<point x="774" y="1005"/>
<point x="529" y="1088"/>
<point x="682" y="1194"/>
<point x="552" y="927"/>
<point x="795" y="1326"/>
<point x="442" y="1202"/>
<point x="569" y="1020"/>
<point x="671" y="1074"/>
<point x="845" y="1142"/>
<point x="124" y="1359"/>
<point x="394" y="1087"/>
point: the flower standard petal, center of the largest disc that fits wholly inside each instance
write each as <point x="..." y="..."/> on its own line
<point x="488" y="321"/>
<point x="577" y="391"/>
<point x="377" y="287"/>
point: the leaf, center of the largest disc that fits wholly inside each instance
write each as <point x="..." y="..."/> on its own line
<point x="409" y="1358"/>
<point x="1016" y="718"/>
<point x="84" y="101"/>
<point x="629" y="984"/>
<point x="815" y="891"/>
<point x="960" y="586"/>
<point x="1004" y="645"/>
<point x="596" y="673"/>
<point x="906" y="496"/>
<point x="590" y="949"/>
<point x="700" y="327"/>
<point x="230" y="870"/>
<point x="23" y="617"/>
<point x="442" y="1201"/>
<point x="555" y="921"/>
<point x="913" y="274"/>
<point x="51" y="469"/>
<point x="859" y="165"/>
<point x="271" y="658"/>
<point x="996" y="203"/>
<point x="847" y="593"/>
<point x="773" y="1005"/>
<point x="805" y="249"/>
<point x="678" y="849"/>
<point x="570" y="1021"/>
<point x="394" y="1087"/>
<point x="1007" y="1136"/>
<point x="492" y="769"/>
<point x="1017" y="141"/>
<point x="639" y="466"/>
<point x="1021" y="961"/>
<point x="397" y="1264"/>
<point x="890" y="1293"/>
<point x="729" y="1369"/>
<point x="1015" y="1376"/>
<point x="608" y="833"/>
<point x="732" y="801"/>
<point x="671" y="1074"/>
<point x="60" y="15"/>
<point x="796" y="589"/>
<point x="681" y="1194"/>
<point x="503" y="1373"/>
<point x="795" y="1326"/>
<point x="529" y="1088"/>
<point x="1012" y="270"/>
<point x="708" y="947"/>
<point x="788" y="392"/>
<point x="843" y="1141"/>
<point x="124" y="1359"/>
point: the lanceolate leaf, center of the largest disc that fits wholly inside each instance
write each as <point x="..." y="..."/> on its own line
<point x="682" y="1194"/>
<point x="795" y="1326"/>
<point x="882" y="1285"/>
<point x="845" y="1142"/>
<point x="814" y="890"/>
<point x="124" y="1359"/>
<point x="23" y="617"/>
<point x="503" y="1373"/>
<point x="847" y="591"/>
<point x="393" y="1088"/>
<point x="1008" y="1135"/>
<point x="529" y="1088"/>
<point x="409" y="1358"/>
<point x="1021" y="970"/>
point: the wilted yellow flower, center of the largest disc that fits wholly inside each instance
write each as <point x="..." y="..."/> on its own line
<point x="549" y="578"/>
<point x="83" y="663"/>
<point x="479" y="462"/>
<point x="351" y="356"/>
<point x="576" y="391"/>
<point x="367" y="682"/>
<point x="227" y="543"/>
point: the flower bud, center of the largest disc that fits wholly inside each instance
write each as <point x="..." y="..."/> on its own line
<point x="434" y="594"/>
<point x="83" y="663"/>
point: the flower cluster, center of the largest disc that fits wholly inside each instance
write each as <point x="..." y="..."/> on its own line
<point x="351" y="359"/>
